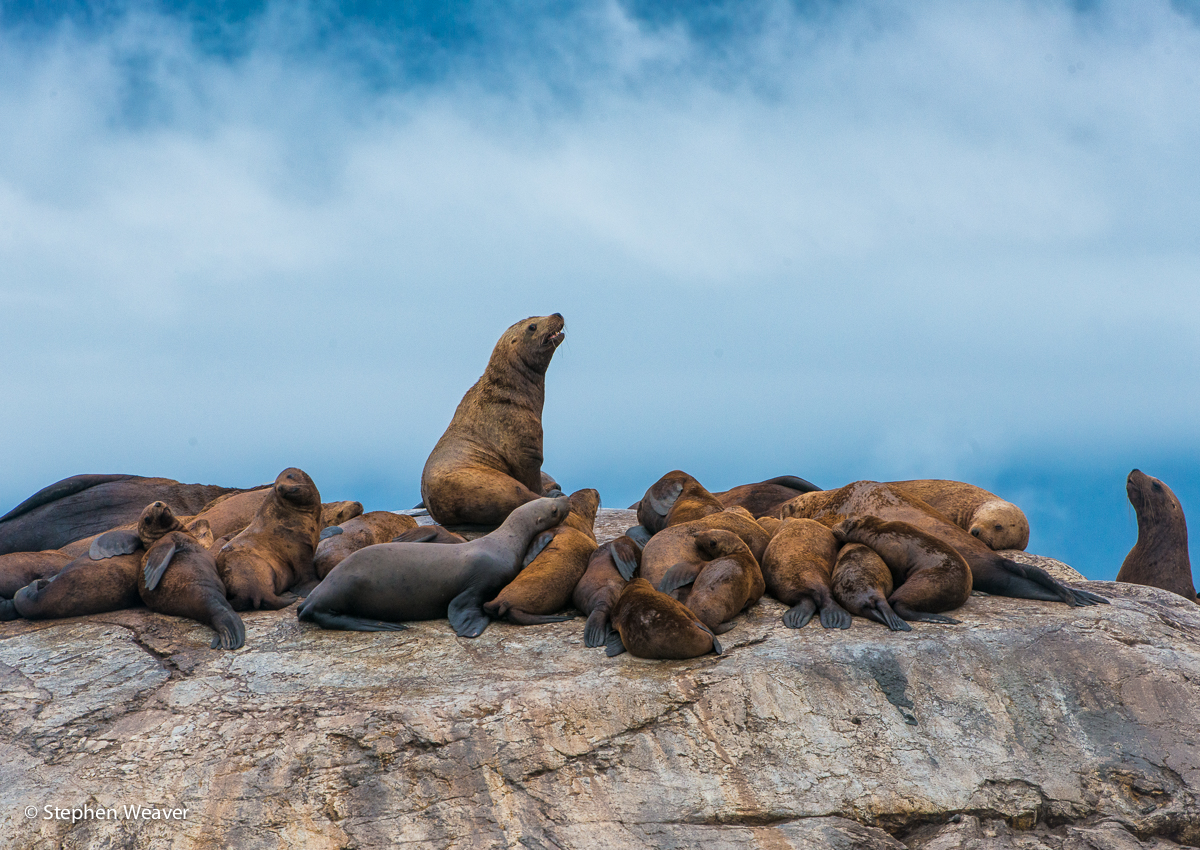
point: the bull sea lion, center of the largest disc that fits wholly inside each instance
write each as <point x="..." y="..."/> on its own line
<point x="728" y="583"/>
<point x="337" y="542"/>
<point x="798" y="569"/>
<point x="489" y="460"/>
<point x="999" y="524"/>
<point x="1159" y="558"/>
<point x="553" y="565"/>
<point x="274" y="552"/>
<point x="765" y="496"/>
<point x="677" y="544"/>
<point x="991" y="573"/>
<point x="376" y="587"/>
<point x="673" y="499"/>
<point x="862" y="582"/>
<point x="597" y="590"/>
<point x="429" y="534"/>
<point x="650" y="624"/>
<point x="929" y="575"/>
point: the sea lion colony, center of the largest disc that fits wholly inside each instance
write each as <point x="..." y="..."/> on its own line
<point x="895" y="552"/>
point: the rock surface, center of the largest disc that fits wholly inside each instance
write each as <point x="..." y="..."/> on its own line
<point x="1031" y="725"/>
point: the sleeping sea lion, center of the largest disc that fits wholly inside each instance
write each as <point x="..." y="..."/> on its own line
<point x="729" y="581"/>
<point x="677" y="544"/>
<point x="862" y="582"/>
<point x="337" y="542"/>
<point x="673" y="499"/>
<point x="489" y="460"/>
<point x="999" y="524"/>
<point x="798" y="569"/>
<point x="1160" y="556"/>
<point x="650" y="624"/>
<point x="597" y="590"/>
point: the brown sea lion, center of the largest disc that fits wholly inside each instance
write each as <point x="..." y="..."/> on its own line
<point x="489" y="460"/>
<point x="178" y="576"/>
<point x="377" y="587"/>
<point x="991" y="572"/>
<point x="650" y="624"/>
<point x="275" y="552"/>
<point x="429" y="534"/>
<point x="862" y="583"/>
<point x="553" y="565"/>
<point x="1160" y="556"/>
<point x="17" y="569"/>
<point x="677" y="545"/>
<point x="798" y="569"/>
<point x="597" y="590"/>
<point x="673" y="499"/>
<point x="338" y="541"/>
<point x="84" y="505"/>
<point x="999" y="524"/>
<point x="765" y="496"/>
<point x="729" y="582"/>
<point x="769" y="524"/>
<point x="929" y="575"/>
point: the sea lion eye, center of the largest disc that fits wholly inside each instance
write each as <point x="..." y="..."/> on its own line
<point x="532" y="328"/>
<point x="1157" y="487"/>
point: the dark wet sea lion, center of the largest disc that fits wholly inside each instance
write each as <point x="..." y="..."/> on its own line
<point x="379" y="586"/>
<point x="650" y="624"/>
<point x="275" y="552"/>
<point x="339" y="541"/>
<point x="765" y="496"/>
<point x="798" y="569"/>
<point x="928" y="574"/>
<point x="597" y="590"/>
<point x="553" y="564"/>
<point x="84" y="505"/>
<point x="729" y="582"/>
<point x="429" y="534"/>
<point x="489" y="460"/>
<point x="677" y="544"/>
<point x="862" y="583"/>
<point x="998" y="523"/>
<point x="991" y="573"/>
<point x="673" y="499"/>
<point x="1159" y="558"/>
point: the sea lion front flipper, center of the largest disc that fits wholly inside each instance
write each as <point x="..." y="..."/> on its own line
<point x="112" y="543"/>
<point x="662" y="497"/>
<point x="466" y="614"/>
<point x="521" y="618"/>
<point x="340" y="622"/>
<point x="157" y="563"/>
<point x="716" y="643"/>
<point x="231" y="631"/>
<point x="680" y="575"/>
<point x="8" y="610"/>
<point x="614" y="646"/>
<point x="535" y="548"/>
<point x="639" y="534"/>
<point x="798" y="615"/>
<point x="914" y="616"/>
<point x="331" y="531"/>
<point x="596" y="629"/>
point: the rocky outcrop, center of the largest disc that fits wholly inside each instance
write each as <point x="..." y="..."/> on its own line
<point x="1030" y="725"/>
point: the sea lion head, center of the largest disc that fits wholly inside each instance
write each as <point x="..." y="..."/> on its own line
<point x="157" y="519"/>
<point x="1001" y="525"/>
<point x="295" y="487"/>
<point x="717" y="543"/>
<point x="532" y="342"/>
<point x="545" y="513"/>
<point x="1153" y="501"/>
<point x="335" y="513"/>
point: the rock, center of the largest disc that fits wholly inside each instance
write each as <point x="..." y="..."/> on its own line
<point x="1030" y="725"/>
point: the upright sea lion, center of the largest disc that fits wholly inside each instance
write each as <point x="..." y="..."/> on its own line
<point x="991" y="572"/>
<point x="429" y="534"/>
<point x="765" y="496"/>
<point x="339" y="541"/>
<point x="798" y="569"/>
<point x="377" y="587"/>
<point x="1160" y="556"/>
<point x="597" y="590"/>
<point x="862" y="582"/>
<point x="929" y="575"/>
<point x="275" y="551"/>
<point x="999" y="524"/>
<point x="673" y="499"/>
<point x="728" y="583"/>
<point x="83" y="505"/>
<point x="677" y="544"/>
<point x="553" y="565"/>
<point x="489" y="460"/>
<point x="653" y="625"/>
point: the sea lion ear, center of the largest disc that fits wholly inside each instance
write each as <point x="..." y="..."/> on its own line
<point x="113" y="543"/>
<point x="332" y="531"/>
<point x="157" y="563"/>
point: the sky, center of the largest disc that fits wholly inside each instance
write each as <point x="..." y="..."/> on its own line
<point x="840" y="240"/>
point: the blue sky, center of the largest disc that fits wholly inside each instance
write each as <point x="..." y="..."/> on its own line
<point x="838" y="240"/>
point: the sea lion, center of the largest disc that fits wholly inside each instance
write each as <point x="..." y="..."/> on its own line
<point x="769" y="524"/>
<point x="338" y="541"/>
<point x="862" y="583"/>
<point x="999" y="524"/>
<point x="798" y="569"/>
<point x="677" y="545"/>
<point x="1159" y="558"/>
<point x="765" y="496"/>
<point x="377" y="587"/>
<point x="650" y="624"/>
<point x="729" y="582"/>
<point x="554" y="563"/>
<point x="17" y="569"/>
<point x="929" y="575"/>
<point x="673" y="499"/>
<point x="84" y="505"/>
<point x="489" y="460"/>
<point x="429" y="534"/>
<point x="178" y="576"/>
<point x="274" y="552"/>
<point x="597" y="590"/>
<point x="991" y="573"/>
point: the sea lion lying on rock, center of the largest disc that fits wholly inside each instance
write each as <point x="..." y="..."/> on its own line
<point x="337" y="542"/>
<point x="673" y="499"/>
<point x="798" y="570"/>
<point x="999" y="524"/>
<point x="728" y="582"/>
<point x="597" y="590"/>
<point x="650" y="624"/>
<point x="765" y="496"/>
<point x="677" y="545"/>
<point x="862" y="583"/>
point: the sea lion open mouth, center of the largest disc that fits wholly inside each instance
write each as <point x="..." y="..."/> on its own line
<point x="556" y="339"/>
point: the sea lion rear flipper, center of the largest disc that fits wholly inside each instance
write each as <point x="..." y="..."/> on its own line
<point x="535" y="548"/>
<point x="341" y="622"/>
<point x="614" y="646"/>
<point x="798" y="615"/>
<point x="834" y="616"/>
<point x="716" y="643"/>
<point x="639" y="534"/>
<point x="883" y="613"/>
<point x="680" y="575"/>
<point x="596" y="630"/>
<point x="331" y="531"/>
<point x="914" y="616"/>
<point x="662" y="497"/>
<point x="1070" y="595"/>
<point x="119" y="541"/>
<point x="157" y="563"/>
<point x="521" y="618"/>
<point x="466" y="615"/>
